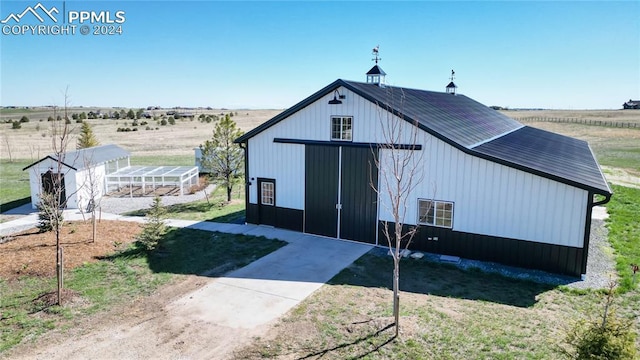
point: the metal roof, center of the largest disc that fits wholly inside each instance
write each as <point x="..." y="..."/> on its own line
<point x="83" y="158"/>
<point x="454" y="117"/>
<point x="550" y="153"/>
<point x="476" y="130"/>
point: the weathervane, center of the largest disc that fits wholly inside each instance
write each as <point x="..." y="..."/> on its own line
<point x="375" y="52"/>
<point x="453" y="73"/>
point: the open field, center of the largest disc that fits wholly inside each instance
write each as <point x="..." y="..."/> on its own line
<point x="619" y="116"/>
<point x="33" y="140"/>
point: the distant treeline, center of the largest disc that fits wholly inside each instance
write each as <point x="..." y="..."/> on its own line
<point x="608" y="123"/>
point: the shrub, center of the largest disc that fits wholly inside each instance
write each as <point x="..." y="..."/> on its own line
<point x="163" y="122"/>
<point x="47" y="213"/>
<point x="67" y="121"/>
<point x="134" y="123"/>
<point x="154" y="229"/>
<point x="15" y="125"/>
<point x="608" y="337"/>
<point x="172" y="121"/>
<point x="24" y="119"/>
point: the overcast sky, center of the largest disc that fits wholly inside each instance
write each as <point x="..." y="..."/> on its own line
<point x="520" y="54"/>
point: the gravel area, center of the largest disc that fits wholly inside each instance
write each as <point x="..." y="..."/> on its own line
<point x="120" y="205"/>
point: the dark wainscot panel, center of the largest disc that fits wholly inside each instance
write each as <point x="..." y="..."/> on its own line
<point x="526" y="254"/>
<point x="286" y="218"/>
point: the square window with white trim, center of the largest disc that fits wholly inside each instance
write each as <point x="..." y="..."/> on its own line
<point x="435" y="213"/>
<point x="342" y="128"/>
<point x="267" y="194"/>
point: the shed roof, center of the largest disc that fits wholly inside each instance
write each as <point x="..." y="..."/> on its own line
<point x="83" y="158"/>
<point x="476" y="130"/>
<point x="376" y="70"/>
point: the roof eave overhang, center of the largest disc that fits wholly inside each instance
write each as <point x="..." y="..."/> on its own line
<point x="292" y="110"/>
<point x="52" y="158"/>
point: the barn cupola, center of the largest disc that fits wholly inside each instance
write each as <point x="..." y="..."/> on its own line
<point x="451" y="88"/>
<point x="376" y="74"/>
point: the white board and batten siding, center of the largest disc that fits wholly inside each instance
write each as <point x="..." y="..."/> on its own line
<point x="489" y="198"/>
<point x="87" y="179"/>
<point x="76" y="183"/>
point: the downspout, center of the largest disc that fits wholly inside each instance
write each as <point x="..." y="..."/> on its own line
<point x="607" y="198"/>
<point x="587" y="226"/>
<point x="247" y="183"/>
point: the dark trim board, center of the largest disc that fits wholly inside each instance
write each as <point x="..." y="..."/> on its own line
<point x="286" y="218"/>
<point x="526" y="254"/>
<point x="587" y="230"/>
<point x="348" y="144"/>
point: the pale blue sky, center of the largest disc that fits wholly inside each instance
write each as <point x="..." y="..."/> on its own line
<point x="531" y="54"/>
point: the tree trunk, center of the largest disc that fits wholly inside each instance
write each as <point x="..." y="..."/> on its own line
<point x="95" y="225"/>
<point x="229" y="188"/>
<point x="58" y="267"/>
<point x="396" y="295"/>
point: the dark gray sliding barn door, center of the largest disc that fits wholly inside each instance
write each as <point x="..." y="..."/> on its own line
<point x="339" y="201"/>
<point x="321" y="190"/>
<point x="359" y="208"/>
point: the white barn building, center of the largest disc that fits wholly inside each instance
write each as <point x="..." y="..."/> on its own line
<point x="504" y="192"/>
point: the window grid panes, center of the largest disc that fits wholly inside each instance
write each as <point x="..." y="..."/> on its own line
<point x="267" y="194"/>
<point x="436" y="213"/>
<point x="341" y="128"/>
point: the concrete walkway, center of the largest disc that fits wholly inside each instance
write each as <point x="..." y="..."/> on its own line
<point x="257" y="293"/>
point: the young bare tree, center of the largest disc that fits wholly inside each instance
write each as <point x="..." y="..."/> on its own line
<point x="53" y="196"/>
<point x="399" y="162"/>
<point x="6" y="141"/>
<point x="92" y="190"/>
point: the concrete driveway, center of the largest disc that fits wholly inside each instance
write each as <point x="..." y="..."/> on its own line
<point x="267" y="288"/>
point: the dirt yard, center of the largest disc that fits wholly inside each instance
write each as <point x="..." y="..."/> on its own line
<point x="32" y="253"/>
<point x="146" y="328"/>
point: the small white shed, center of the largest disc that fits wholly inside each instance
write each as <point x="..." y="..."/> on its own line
<point x="83" y="172"/>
